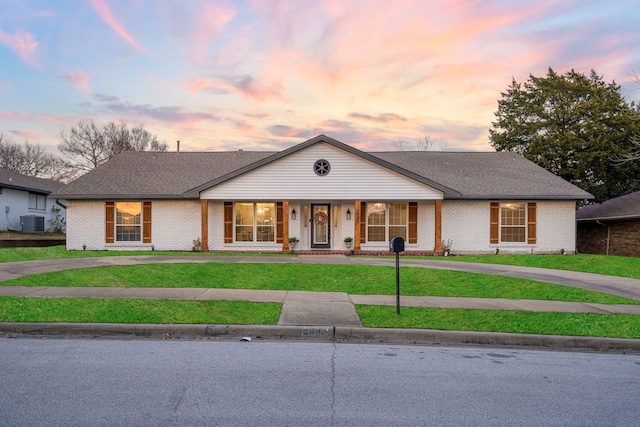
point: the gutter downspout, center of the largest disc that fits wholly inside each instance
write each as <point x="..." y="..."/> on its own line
<point x="608" y="233"/>
<point x="60" y="204"/>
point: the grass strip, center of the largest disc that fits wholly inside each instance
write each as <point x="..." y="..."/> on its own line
<point x="59" y="252"/>
<point x="599" y="264"/>
<point x="353" y="279"/>
<point x="97" y="310"/>
<point x="545" y="323"/>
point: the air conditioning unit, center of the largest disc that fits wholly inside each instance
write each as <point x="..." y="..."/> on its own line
<point x="32" y="223"/>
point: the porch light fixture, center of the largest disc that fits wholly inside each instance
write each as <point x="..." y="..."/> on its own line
<point x="293" y="214"/>
<point x="348" y="214"/>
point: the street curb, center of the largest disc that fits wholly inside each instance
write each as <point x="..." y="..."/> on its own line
<point x="189" y="331"/>
<point x="430" y="336"/>
<point x="312" y="333"/>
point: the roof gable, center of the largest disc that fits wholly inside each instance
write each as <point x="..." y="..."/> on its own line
<point x="294" y="176"/>
<point x="336" y="144"/>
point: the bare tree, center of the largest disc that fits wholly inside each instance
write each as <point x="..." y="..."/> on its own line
<point x="87" y="145"/>
<point x="27" y="159"/>
<point x="426" y="144"/>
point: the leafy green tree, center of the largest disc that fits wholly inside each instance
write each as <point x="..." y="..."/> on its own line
<point x="573" y="125"/>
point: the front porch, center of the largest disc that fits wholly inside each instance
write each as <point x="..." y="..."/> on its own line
<point x="321" y="226"/>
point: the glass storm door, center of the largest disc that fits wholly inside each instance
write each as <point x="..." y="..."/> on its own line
<point x="320" y="227"/>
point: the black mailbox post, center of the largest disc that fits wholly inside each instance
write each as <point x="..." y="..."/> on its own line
<point x="397" y="245"/>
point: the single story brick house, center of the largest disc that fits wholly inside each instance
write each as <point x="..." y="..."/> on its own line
<point x="26" y="205"/>
<point x="322" y="191"/>
<point x="611" y="228"/>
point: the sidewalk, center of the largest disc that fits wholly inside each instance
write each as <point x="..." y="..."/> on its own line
<point x="321" y="312"/>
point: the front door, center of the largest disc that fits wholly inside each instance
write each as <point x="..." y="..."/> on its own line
<point x="320" y="227"/>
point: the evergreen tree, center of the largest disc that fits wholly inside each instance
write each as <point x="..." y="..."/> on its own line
<point x="573" y="125"/>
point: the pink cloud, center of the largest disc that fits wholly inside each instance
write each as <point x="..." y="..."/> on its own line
<point x="12" y="115"/>
<point x="25" y="133"/>
<point x="380" y="118"/>
<point x="197" y="85"/>
<point x="244" y="85"/>
<point x="105" y="13"/>
<point x="210" y="21"/>
<point x="80" y="79"/>
<point x="64" y="119"/>
<point x="24" y="45"/>
<point x="288" y="131"/>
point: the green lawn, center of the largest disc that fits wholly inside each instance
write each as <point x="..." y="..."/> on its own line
<point x="96" y="310"/>
<point x="353" y="279"/>
<point x="599" y="264"/>
<point x="59" y="252"/>
<point x="521" y="322"/>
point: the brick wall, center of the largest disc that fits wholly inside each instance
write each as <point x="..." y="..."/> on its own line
<point x="466" y="223"/>
<point x="175" y="224"/>
<point x="624" y="238"/>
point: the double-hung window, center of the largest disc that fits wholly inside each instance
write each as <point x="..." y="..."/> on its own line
<point x="255" y="222"/>
<point x="513" y="222"/>
<point x="37" y="202"/>
<point x="386" y="221"/>
<point x="128" y="221"/>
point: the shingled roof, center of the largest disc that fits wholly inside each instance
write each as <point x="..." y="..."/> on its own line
<point x="141" y="174"/>
<point x="623" y="207"/>
<point x="486" y="175"/>
<point x="458" y="175"/>
<point x="16" y="181"/>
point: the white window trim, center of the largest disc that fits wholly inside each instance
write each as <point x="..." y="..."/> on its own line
<point x="500" y="226"/>
<point x="116" y="225"/>
<point x="386" y="225"/>
<point x="255" y="225"/>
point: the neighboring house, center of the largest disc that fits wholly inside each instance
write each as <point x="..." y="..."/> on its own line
<point x="25" y="204"/>
<point x="322" y="191"/>
<point x="611" y="228"/>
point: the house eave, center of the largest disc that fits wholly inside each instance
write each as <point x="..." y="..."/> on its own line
<point x="122" y="196"/>
<point x="609" y="218"/>
<point x="523" y="197"/>
<point x="29" y="189"/>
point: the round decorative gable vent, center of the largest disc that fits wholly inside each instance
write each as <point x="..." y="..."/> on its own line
<point x="321" y="167"/>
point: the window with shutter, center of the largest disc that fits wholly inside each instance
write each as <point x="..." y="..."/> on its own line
<point x="146" y="222"/>
<point x="109" y="222"/>
<point x="279" y="222"/>
<point x="531" y="223"/>
<point x="413" y="222"/>
<point x="513" y="223"/>
<point x="228" y="222"/>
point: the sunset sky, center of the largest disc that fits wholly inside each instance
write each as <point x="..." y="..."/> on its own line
<point x="265" y="75"/>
